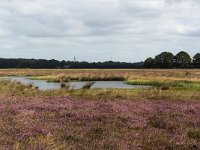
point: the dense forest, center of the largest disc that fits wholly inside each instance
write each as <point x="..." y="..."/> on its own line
<point x="51" y="64"/>
<point x="165" y="60"/>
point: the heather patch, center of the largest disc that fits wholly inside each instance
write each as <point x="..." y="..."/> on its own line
<point x="68" y="122"/>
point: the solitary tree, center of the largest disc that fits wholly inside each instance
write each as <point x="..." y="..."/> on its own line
<point x="182" y="60"/>
<point x="164" y="60"/>
<point x="196" y="60"/>
<point x="149" y="63"/>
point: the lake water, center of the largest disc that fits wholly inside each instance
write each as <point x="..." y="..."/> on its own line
<point x="44" y="85"/>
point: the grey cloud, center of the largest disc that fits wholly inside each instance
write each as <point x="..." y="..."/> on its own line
<point x="95" y="30"/>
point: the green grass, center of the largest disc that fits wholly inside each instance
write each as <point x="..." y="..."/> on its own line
<point x="17" y="89"/>
<point x="175" y="84"/>
<point x="147" y="82"/>
<point x="186" y="85"/>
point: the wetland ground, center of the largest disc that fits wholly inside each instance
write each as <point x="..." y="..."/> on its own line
<point x="164" y="117"/>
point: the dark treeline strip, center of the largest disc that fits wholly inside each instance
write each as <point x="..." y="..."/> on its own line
<point x="166" y="60"/>
<point x="53" y="64"/>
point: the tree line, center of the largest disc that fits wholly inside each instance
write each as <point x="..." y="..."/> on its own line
<point x="164" y="60"/>
<point x="167" y="60"/>
<point x="55" y="64"/>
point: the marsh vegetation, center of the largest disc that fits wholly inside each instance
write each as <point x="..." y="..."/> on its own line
<point x="163" y="117"/>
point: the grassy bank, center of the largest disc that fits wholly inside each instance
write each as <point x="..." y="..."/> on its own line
<point x="169" y="84"/>
<point x="11" y="88"/>
<point x="64" y="78"/>
<point x="168" y="79"/>
<point x="156" y="93"/>
<point x="105" y="74"/>
<point x="166" y="116"/>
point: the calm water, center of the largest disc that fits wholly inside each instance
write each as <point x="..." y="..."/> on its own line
<point x="44" y="85"/>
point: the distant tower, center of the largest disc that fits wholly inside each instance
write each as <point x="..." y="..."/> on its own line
<point x="74" y="58"/>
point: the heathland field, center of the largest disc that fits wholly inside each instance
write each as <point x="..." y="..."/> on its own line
<point x="166" y="116"/>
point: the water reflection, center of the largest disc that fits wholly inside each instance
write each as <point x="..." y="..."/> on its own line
<point x="44" y="85"/>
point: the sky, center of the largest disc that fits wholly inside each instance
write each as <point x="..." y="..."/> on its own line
<point x="98" y="30"/>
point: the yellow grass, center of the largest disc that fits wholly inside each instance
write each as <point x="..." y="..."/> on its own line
<point x="127" y="74"/>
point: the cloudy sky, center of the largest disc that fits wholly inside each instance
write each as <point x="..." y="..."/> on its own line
<point x="96" y="30"/>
